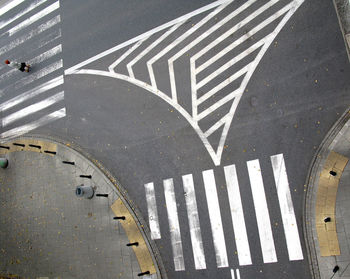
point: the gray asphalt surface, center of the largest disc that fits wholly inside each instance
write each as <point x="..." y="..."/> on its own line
<point x="299" y="89"/>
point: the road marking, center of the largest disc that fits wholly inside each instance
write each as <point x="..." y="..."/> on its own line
<point x="261" y="211"/>
<point x="20" y="40"/>
<point x="287" y="210"/>
<point x="237" y="215"/>
<point x="33" y="125"/>
<point x="174" y="225"/>
<point x="215" y="218"/>
<point x="193" y="220"/>
<point x="37" y="3"/>
<point x="32" y="109"/>
<point x="10" y="6"/>
<point x="152" y="211"/>
<point x="31" y="93"/>
<point x="33" y="18"/>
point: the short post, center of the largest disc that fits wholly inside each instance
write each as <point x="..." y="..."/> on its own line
<point x="84" y="191"/>
<point x="335" y="270"/>
<point x="4" y="163"/>
<point x="327" y="219"/>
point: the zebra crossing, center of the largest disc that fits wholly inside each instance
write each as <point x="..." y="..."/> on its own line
<point x="30" y="31"/>
<point x="242" y="241"/>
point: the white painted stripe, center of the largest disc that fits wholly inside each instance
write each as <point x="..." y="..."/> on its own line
<point x="193" y="220"/>
<point x="31" y="93"/>
<point x="36" y="75"/>
<point x="33" y="18"/>
<point x="174" y="225"/>
<point x="232" y="274"/>
<point x="146" y="35"/>
<point x="287" y="210"/>
<point x="244" y="37"/>
<point x="40" y="58"/>
<point x="16" y="132"/>
<point x="238" y="274"/>
<point x="10" y="6"/>
<point x="20" y="40"/>
<point x="152" y="211"/>
<point x="261" y="211"/>
<point x="32" y="109"/>
<point x="217" y="125"/>
<point x="237" y="215"/>
<point x="215" y="218"/>
<point x="4" y="23"/>
<point x="179" y="40"/>
<point x="53" y="35"/>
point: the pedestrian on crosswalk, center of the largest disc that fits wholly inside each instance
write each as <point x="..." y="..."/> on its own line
<point x="23" y="67"/>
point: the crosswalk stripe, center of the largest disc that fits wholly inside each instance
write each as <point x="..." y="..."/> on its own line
<point x="37" y="3"/>
<point x="261" y="211"/>
<point x="237" y="215"/>
<point x="33" y="18"/>
<point x="33" y="125"/>
<point x="287" y="210"/>
<point x="31" y="93"/>
<point x="215" y="218"/>
<point x="152" y="211"/>
<point x="20" y="40"/>
<point x="174" y="225"/>
<point x="32" y="109"/>
<point x="193" y="220"/>
<point x="10" y="6"/>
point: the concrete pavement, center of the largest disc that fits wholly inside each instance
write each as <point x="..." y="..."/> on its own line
<point x="49" y="232"/>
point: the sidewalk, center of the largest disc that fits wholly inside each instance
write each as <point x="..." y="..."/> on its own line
<point x="337" y="143"/>
<point x="49" y="232"/>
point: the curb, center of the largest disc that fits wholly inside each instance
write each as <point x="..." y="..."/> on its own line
<point x="309" y="197"/>
<point x="122" y="193"/>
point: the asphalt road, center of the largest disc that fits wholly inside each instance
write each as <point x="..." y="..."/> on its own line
<point x="296" y="93"/>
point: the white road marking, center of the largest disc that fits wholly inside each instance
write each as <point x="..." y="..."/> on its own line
<point x="146" y="35"/>
<point x="287" y="210"/>
<point x="152" y="211"/>
<point x="40" y="58"/>
<point x="31" y="93"/>
<point x="20" y="40"/>
<point x="33" y="18"/>
<point x="33" y="125"/>
<point x="233" y="274"/>
<point x="237" y="215"/>
<point x="4" y="23"/>
<point x="10" y="6"/>
<point x="215" y="218"/>
<point x="32" y="109"/>
<point x="174" y="225"/>
<point x="261" y="211"/>
<point x="193" y="220"/>
<point x="238" y="274"/>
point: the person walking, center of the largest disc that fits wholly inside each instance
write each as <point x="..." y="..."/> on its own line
<point x="23" y="67"/>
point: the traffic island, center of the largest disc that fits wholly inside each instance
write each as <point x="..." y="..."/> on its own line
<point x="64" y="216"/>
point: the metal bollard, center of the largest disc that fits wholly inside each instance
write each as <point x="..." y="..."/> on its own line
<point x="4" y="163"/>
<point x="84" y="192"/>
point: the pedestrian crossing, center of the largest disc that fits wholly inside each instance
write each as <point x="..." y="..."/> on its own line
<point x="30" y="31"/>
<point x="260" y="199"/>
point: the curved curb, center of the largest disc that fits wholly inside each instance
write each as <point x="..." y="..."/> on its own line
<point x="122" y="194"/>
<point x="310" y="197"/>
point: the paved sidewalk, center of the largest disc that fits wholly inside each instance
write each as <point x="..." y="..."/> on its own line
<point x="337" y="140"/>
<point x="46" y="231"/>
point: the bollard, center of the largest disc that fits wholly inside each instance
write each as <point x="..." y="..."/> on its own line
<point x="102" y="195"/>
<point x="327" y="219"/>
<point x="4" y="163"/>
<point x="133" y="244"/>
<point x="119" y="218"/>
<point x="143" y="273"/>
<point x="84" y="192"/>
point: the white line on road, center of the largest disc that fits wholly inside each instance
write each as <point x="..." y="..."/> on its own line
<point x="31" y="93"/>
<point x="10" y="6"/>
<point x="193" y="220"/>
<point x="33" y="125"/>
<point x="287" y="210"/>
<point x="262" y="212"/>
<point x="152" y="211"/>
<point x="237" y="215"/>
<point x="174" y="225"/>
<point x="32" y="109"/>
<point x="215" y="218"/>
<point x="33" y="19"/>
